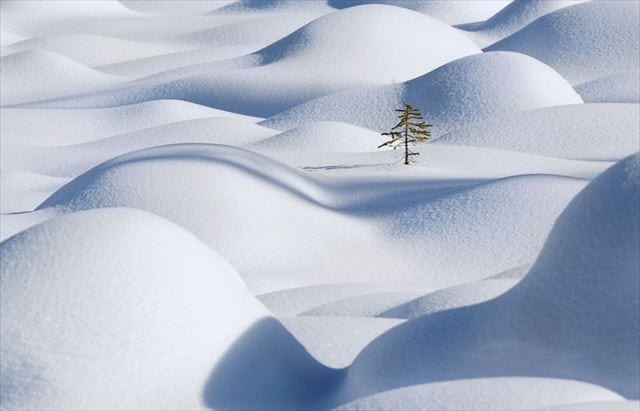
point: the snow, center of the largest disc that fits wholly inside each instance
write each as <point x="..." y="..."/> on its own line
<point x="195" y="213"/>
<point x="466" y="90"/>
<point x="583" y="42"/>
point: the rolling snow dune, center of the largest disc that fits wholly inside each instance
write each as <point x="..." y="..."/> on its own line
<point x="583" y="42"/>
<point x="451" y="12"/>
<point x="463" y="91"/>
<point x="91" y="50"/>
<point x="23" y="191"/>
<point x="131" y="301"/>
<point x="227" y="182"/>
<point x="322" y="136"/>
<point x="72" y="160"/>
<point x="574" y="316"/>
<point x="60" y="127"/>
<point x="513" y="17"/>
<point x="172" y="7"/>
<point x="583" y="131"/>
<point x="35" y="75"/>
<point x="287" y="74"/>
<point x="481" y="394"/>
<point x="618" y="88"/>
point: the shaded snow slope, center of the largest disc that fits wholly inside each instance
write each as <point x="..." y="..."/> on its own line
<point x="451" y="12"/>
<point x="35" y="75"/>
<point x="463" y="91"/>
<point x="513" y="17"/>
<point x="223" y="191"/>
<point x="481" y="394"/>
<point x="574" y="316"/>
<point x="61" y="127"/>
<point x="136" y="298"/>
<point x="287" y="71"/>
<point x="584" y="131"/>
<point x="583" y="42"/>
<point x="617" y="88"/>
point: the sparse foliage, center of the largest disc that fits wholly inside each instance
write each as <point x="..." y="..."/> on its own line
<point x="411" y="129"/>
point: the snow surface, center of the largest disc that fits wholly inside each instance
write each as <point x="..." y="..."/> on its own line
<point x="194" y="213"/>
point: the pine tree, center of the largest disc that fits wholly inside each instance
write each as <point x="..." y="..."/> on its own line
<point x="411" y="129"/>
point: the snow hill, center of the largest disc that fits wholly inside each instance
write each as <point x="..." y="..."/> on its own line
<point x="583" y="42"/>
<point x="37" y="75"/>
<point x="100" y="324"/>
<point x="584" y="131"/>
<point x="228" y="181"/>
<point x="463" y="91"/>
<point x="578" y="301"/>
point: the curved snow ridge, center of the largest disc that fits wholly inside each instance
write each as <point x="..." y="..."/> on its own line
<point x="488" y="393"/>
<point x="582" y="131"/>
<point x="223" y="191"/>
<point x="450" y="12"/>
<point x="452" y="297"/>
<point x="287" y="74"/>
<point x="73" y="160"/>
<point x="616" y="88"/>
<point x="470" y="89"/>
<point x="512" y="18"/>
<point x="62" y="127"/>
<point x="581" y="288"/>
<point x="171" y="8"/>
<point x="35" y="75"/>
<point x="322" y="136"/>
<point x="582" y="42"/>
<point x="23" y="191"/>
<point x="92" y="50"/>
<point x="83" y="320"/>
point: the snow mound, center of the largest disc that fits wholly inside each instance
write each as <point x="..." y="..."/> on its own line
<point x="583" y="131"/>
<point x="574" y="316"/>
<point x="617" y="88"/>
<point x="583" y="42"/>
<point x="84" y="323"/>
<point x="172" y="7"/>
<point x="92" y="50"/>
<point x="451" y="297"/>
<point x="367" y="305"/>
<point x="8" y="38"/>
<point x="463" y="91"/>
<point x="29" y="76"/>
<point x="294" y="301"/>
<point x="223" y="191"/>
<point x="97" y="323"/>
<point x="60" y="127"/>
<point x="23" y="191"/>
<point x="72" y="160"/>
<point x="288" y="71"/>
<point x="451" y="12"/>
<point x="508" y="394"/>
<point x="323" y="136"/>
<point x="513" y="17"/>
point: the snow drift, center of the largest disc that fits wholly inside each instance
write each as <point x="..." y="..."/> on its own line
<point x="138" y="307"/>
<point x="464" y="91"/>
<point x="574" y="316"/>
<point x="583" y="42"/>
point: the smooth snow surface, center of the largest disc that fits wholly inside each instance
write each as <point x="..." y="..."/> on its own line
<point x="195" y="212"/>
<point x="466" y="90"/>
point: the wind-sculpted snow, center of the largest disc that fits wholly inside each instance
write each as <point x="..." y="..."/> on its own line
<point x="574" y="316"/>
<point x="583" y="42"/>
<point x="223" y="190"/>
<point x="585" y="131"/>
<point x="132" y="299"/>
<point x="287" y="71"/>
<point x="512" y="18"/>
<point x="196" y="213"/>
<point x="461" y="92"/>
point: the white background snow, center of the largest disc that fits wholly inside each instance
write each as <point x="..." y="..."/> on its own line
<point x="194" y="213"/>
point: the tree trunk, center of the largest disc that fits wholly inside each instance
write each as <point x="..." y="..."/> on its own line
<point x="406" y="145"/>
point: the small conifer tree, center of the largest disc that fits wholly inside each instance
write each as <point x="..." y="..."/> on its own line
<point x="411" y="129"/>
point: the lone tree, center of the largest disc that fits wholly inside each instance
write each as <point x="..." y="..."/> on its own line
<point x="410" y="130"/>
